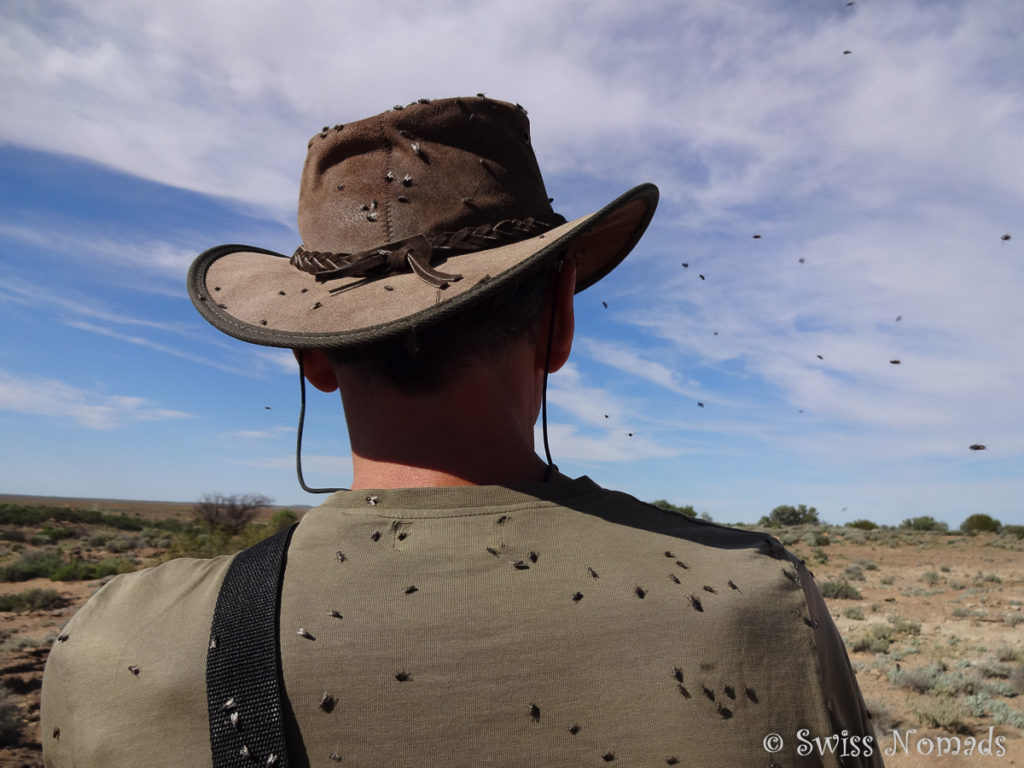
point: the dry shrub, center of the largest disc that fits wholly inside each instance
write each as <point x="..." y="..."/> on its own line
<point x="843" y="590"/>
<point x="943" y="713"/>
<point x="876" y="639"/>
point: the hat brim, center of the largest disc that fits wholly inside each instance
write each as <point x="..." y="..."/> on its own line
<point x="257" y="295"/>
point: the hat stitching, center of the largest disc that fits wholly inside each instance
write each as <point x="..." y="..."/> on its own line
<point x="388" y="153"/>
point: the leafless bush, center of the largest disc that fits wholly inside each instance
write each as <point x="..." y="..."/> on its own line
<point x="229" y="513"/>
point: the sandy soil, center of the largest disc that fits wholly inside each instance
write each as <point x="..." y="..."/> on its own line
<point x="966" y="594"/>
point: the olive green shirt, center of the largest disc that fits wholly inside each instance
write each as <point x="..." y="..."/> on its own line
<point x="555" y="625"/>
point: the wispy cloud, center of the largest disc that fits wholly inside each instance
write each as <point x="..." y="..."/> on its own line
<point x="137" y="261"/>
<point x="626" y="359"/>
<point x="567" y="442"/>
<point x="57" y="399"/>
<point x="150" y="344"/>
<point x="880" y="181"/>
<point x="609" y="429"/>
<point x="823" y="334"/>
<point x="591" y="405"/>
<point x="40" y="298"/>
<point x="726" y="104"/>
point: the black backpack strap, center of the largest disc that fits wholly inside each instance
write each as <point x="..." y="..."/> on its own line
<point x="243" y="663"/>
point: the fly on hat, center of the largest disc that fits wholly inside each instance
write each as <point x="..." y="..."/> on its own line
<point x="406" y="218"/>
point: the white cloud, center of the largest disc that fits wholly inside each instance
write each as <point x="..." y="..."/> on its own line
<point x="157" y="346"/>
<point x="612" y="429"/>
<point x="137" y="262"/>
<point x="891" y="171"/>
<point x="942" y="269"/>
<point x="53" y="398"/>
<point x="591" y="405"/>
<point x="567" y="443"/>
<point x="725" y="103"/>
<point x="38" y="298"/>
<point x="626" y="359"/>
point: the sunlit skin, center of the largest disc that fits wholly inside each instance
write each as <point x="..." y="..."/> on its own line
<point x="475" y="430"/>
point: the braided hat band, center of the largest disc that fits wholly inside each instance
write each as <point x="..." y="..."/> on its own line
<point x="416" y="253"/>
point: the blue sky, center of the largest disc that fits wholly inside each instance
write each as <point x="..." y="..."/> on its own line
<point x="881" y="182"/>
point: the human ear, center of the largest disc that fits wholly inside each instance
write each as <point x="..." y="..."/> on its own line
<point x="317" y="369"/>
<point x="561" y="303"/>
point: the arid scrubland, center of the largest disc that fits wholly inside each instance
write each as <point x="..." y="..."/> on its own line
<point x="934" y="625"/>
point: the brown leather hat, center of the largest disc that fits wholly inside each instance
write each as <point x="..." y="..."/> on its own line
<point x="408" y="217"/>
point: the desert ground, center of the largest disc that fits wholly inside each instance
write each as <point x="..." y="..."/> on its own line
<point x="933" y="621"/>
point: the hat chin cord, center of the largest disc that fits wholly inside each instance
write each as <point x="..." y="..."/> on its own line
<point x="298" y="438"/>
<point x="548" y="472"/>
<point x="551" y="468"/>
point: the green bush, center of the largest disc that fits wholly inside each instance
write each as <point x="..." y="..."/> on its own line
<point x="983" y="705"/>
<point x="854" y="613"/>
<point x="876" y="639"/>
<point x="32" y="600"/>
<point x="789" y="515"/>
<point x="124" y="544"/>
<point x="35" y="516"/>
<point x="49" y="564"/>
<point x="100" y="538"/>
<point x="864" y="525"/>
<point x="955" y="684"/>
<point x="205" y="542"/>
<point x="904" y="626"/>
<point x="51" y="534"/>
<point x="285" y="518"/>
<point x="941" y="713"/>
<point x="82" y="570"/>
<point x="980" y="524"/>
<point x="1014" y="530"/>
<point x="663" y="504"/>
<point x="816" y="539"/>
<point x="853" y="535"/>
<point x="843" y="590"/>
<point x="31" y="565"/>
<point x="923" y="523"/>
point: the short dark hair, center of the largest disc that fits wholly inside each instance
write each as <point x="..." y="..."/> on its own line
<point x="424" y="359"/>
